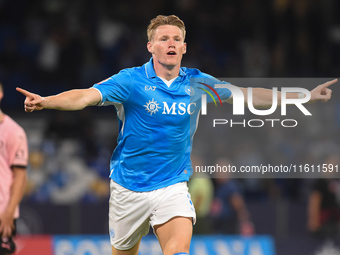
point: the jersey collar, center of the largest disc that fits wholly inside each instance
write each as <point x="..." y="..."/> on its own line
<point x="150" y="71"/>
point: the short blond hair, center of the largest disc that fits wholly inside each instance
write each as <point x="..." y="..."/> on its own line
<point x="161" y="20"/>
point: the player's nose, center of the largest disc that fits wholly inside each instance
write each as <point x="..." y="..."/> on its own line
<point x="171" y="43"/>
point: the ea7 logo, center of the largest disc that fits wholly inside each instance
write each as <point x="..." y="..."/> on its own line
<point x="152" y="88"/>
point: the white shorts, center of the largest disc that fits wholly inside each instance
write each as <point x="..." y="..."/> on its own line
<point x="131" y="212"/>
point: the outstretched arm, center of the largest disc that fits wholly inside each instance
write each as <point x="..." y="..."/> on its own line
<point x="322" y="92"/>
<point x="314" y="211"/>
<point x="262" y="98"/>
<point x="71" y="100"/>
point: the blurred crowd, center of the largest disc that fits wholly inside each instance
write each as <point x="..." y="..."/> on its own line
<point x="51" y="46"/>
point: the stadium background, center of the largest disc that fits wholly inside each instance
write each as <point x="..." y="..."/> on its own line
<point x="50" y="46"/>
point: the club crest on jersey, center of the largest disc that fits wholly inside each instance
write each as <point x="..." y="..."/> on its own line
<point x="152" y="106"/>
<point x="189" y="90"/>
<point x="152" y="88"/>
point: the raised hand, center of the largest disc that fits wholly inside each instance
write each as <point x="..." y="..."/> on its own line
<point x="322" y="92"/>
<point x="32" y="101"/>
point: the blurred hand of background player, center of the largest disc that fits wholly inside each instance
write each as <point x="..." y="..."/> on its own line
<point x="6" y="224"/>
<point x="322" y="92"/>
<point x="32" y="101"/>
<point x="247" y="228"/>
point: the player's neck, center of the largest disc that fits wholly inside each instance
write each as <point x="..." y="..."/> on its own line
<point x="166" y="72"/>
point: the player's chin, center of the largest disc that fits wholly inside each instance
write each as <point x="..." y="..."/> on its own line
<point x="173" y="61"/>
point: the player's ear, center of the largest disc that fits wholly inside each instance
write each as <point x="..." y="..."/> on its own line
<point x="149" y="46"/>
<point x="185" y="48"/>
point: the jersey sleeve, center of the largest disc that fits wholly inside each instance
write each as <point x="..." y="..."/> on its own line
<point x="115" y="89"/>
<point x="224" y="93"/>
<point x="18" y="149"/>
<point x="208" y="83"/>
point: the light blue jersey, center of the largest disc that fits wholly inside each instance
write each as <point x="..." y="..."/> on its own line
<point x="156" y="124"/>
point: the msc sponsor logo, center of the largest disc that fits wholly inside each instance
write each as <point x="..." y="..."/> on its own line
<point x="152" y="106"/>
<point x="178" y="108"/>
<point x="174" y="108"/>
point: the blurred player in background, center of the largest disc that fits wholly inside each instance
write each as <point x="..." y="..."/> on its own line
<point x="323" y="213"/>
<point x="229" y="210"/>
<point x="157" y="121"/>
<point x="324" y="204"/>
<point x="13" y="163"/>
<point x="201" y="188"/>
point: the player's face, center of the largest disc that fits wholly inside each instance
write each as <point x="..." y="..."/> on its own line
<point x="167" y="46"/>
